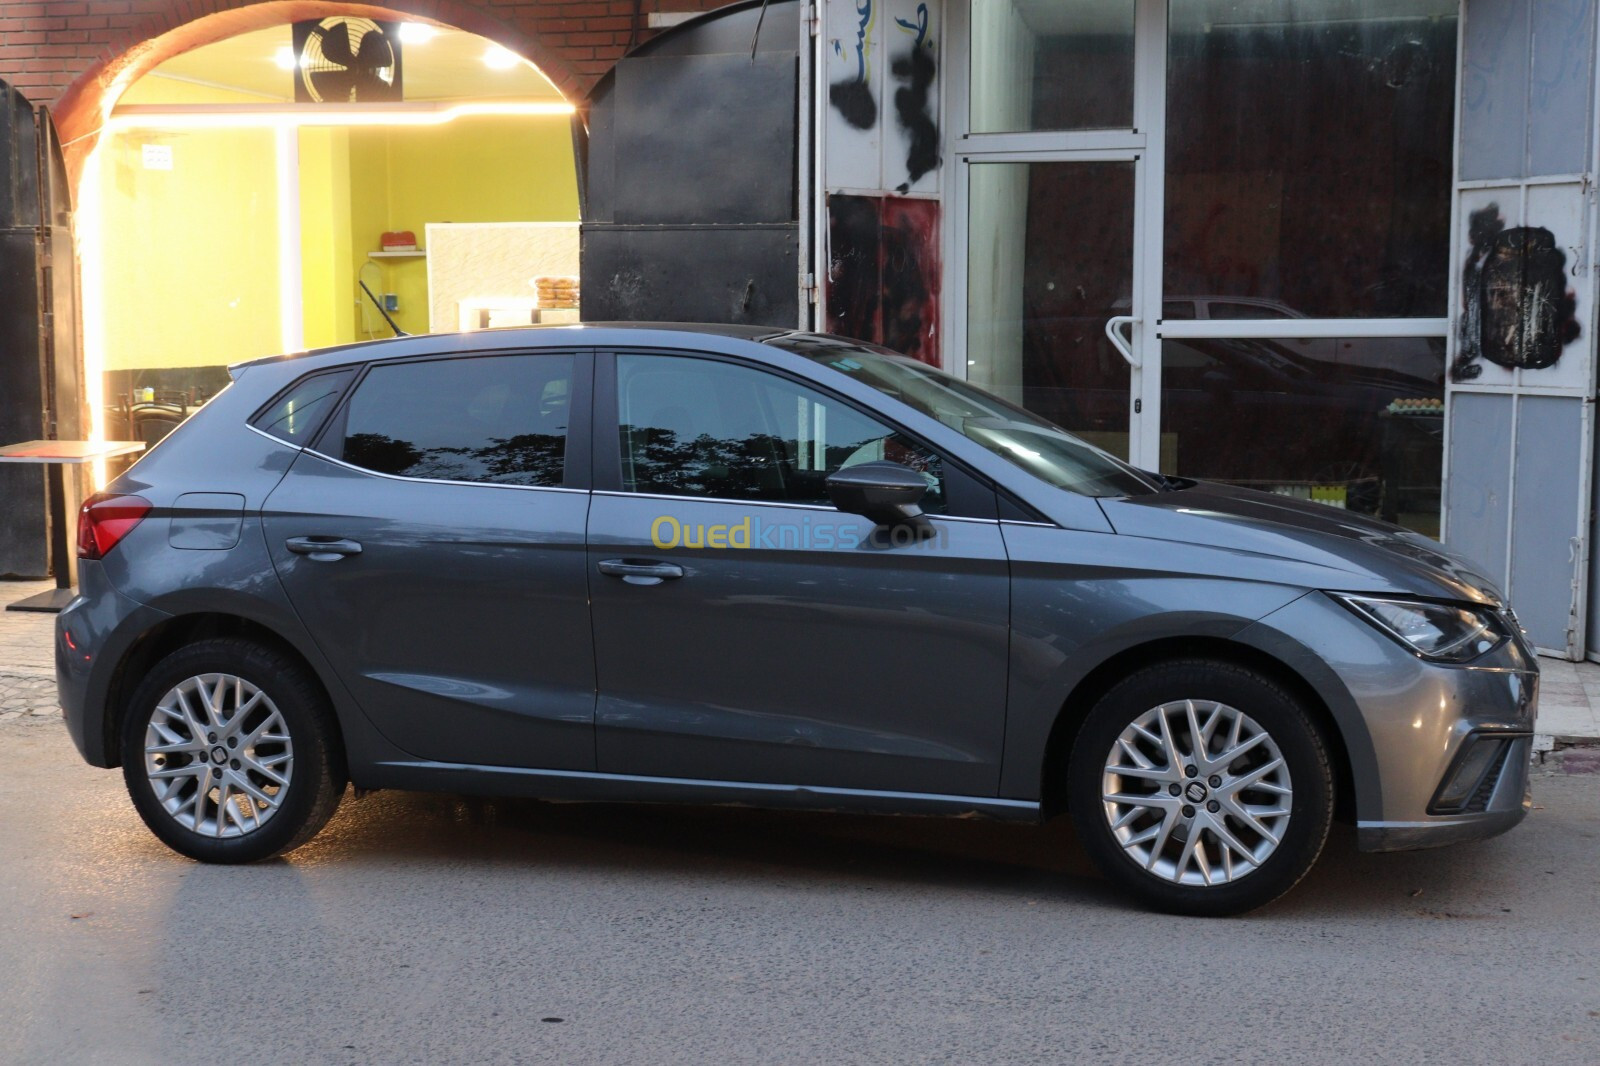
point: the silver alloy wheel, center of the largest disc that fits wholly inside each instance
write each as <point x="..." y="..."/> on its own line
<point x="218" y="755"/>
<point x="1196" y="792"/>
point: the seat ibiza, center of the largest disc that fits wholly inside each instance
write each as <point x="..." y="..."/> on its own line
<point x="736" y="565"/>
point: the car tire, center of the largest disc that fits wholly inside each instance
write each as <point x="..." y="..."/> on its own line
<point x="231" y="753"/>
<point x="1201" y="835"/>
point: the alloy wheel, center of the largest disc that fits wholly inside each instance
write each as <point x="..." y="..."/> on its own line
<point x="218" y="755"/>
<point x="1196" y="792"/>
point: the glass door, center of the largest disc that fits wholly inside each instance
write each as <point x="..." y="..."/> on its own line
<point x="1049" y="283"/>
<point x="1053" y="181"/>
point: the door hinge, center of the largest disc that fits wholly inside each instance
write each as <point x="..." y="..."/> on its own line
<point x="808" y="286"/>
<point x="813" y="20"/>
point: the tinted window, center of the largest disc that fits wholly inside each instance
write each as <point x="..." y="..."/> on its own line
<point x="698" y="427"/>
<point x="1309" y="155"/>
<point x="1039" y="447"/>
<point x="296" y="414"/>
<point x="498" y="419"/>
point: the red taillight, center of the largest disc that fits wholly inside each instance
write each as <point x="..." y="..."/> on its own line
<point x="105" y="519"/>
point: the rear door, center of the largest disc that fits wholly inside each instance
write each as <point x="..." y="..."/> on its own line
<point x="433" y="544"/>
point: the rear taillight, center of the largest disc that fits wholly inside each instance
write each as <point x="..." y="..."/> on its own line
<point x="105" y="519"/>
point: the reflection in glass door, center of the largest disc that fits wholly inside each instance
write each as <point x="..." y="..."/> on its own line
<point x="1049" y="263"/>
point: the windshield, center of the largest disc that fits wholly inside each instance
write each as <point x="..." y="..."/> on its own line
<point x="1042" y="448"/>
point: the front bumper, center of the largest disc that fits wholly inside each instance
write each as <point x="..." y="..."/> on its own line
<point x="1501" y="798"/>
<point x="1408" y="725"/>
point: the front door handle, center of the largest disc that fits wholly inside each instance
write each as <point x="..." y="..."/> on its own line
<point x="323" y="549"/>
<point x="641" y="572"/>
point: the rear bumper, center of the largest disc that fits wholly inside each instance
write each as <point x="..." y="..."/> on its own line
<point x="93" y="635"/>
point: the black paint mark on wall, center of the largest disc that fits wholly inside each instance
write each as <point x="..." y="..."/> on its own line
<point x="853" y="100"/>
<point x="917" y="69"/>
<point x="854" y="241"/>
<point x="1517" y="311"/>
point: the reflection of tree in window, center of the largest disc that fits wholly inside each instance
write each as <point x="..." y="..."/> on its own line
<point x="526" y="459"/>
<point x="760" y="466"/>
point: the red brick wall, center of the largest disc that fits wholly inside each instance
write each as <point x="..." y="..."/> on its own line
<point x="80" y="55"/>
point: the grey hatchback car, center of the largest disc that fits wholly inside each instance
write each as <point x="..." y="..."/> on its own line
<point x="738" y="565"/>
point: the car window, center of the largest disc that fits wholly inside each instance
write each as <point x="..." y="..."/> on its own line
<point x="1042" y="448"/>
<point x="495" y="419"/>
<point x="298" y="412"/>
<point x="1253" y="312"/>
<point x="701" y="427"/>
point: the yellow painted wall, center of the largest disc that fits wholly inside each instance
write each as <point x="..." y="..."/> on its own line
<point x="327" y="285"/>
<point x="189" y="255"/>
<point x="478" y="169"/>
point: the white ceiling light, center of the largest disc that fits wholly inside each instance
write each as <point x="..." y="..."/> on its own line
<point x="284" y="58"/>
<point x="417" y="32"/>
<point x="500" y="58"/>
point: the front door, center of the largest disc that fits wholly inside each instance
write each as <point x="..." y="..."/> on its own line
<point x="433" y="545"/>
<point x="746" y="630"/>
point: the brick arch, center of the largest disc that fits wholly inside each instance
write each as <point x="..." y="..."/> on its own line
<point x="134" y="51"/>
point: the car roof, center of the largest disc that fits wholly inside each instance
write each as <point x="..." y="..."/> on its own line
<point x="587" y="333"/>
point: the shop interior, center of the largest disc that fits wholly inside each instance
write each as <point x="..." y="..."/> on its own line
<point x="221" y="221"/>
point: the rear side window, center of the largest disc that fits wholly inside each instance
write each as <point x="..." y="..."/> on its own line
<point x="298" y="412"/>
<point x="495" y="419"/>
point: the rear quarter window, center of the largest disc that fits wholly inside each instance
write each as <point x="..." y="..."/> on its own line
<point x="298" y="412"/>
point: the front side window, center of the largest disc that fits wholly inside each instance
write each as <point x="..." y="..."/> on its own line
<point x="1042" y="448"/>
<point x="700" y="427"/>
<point x="495" y="419"/>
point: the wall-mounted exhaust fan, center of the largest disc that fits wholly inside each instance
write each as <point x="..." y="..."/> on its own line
<point x="344" y="60"/>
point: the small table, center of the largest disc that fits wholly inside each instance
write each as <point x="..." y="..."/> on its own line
<point x="57" y="454"/>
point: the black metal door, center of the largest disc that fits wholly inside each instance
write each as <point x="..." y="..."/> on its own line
<point x="41" y="394"/>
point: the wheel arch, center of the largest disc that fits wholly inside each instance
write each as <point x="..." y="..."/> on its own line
<point x="1095" y="684"/>
<point x="178" y="631"/>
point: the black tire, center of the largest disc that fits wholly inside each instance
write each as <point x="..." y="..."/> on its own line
<point x="1269" y="706"/>
<point x="316" y="778"/>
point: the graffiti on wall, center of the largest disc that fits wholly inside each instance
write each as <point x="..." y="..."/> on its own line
<point x="882" y="74"/>
<point x="1517" y="310"/>
<point x="884" y="272"/>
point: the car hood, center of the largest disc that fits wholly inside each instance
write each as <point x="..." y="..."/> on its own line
<point x="1359" y="553"/>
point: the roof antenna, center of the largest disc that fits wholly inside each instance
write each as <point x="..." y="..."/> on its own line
<point x="398" y="332"/>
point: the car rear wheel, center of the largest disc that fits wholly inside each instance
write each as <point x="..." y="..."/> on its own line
<point x="230" y="752"/>
<point x="1201" y="787"/>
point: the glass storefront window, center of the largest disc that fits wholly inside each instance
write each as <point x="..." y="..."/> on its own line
<point x="1354" y="423"/>
<point x="1309" y="157"/>
<point x="1049" y="260"/>
<point x="1047" y="65"/>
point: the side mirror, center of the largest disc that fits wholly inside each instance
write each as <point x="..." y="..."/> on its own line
<point x="885" y="492"/>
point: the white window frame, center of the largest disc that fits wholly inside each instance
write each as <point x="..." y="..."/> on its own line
<point x="1144" y="145"/>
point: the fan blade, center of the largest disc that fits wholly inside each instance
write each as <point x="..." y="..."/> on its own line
<point x="374" y="51"/>
<point x="336" y="44"/>
<point x="334" y="84"/>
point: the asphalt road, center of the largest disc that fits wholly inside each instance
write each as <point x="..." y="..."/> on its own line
<point x="432" y="929"/>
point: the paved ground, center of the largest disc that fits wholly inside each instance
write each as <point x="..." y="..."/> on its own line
<point x="428" y="929"/>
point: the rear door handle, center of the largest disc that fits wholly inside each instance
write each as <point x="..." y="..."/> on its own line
<point x="323" y="549"/>
<point x="640" y="572"/>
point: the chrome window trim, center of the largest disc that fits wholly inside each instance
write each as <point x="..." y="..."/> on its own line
<point x="624" y="495"/>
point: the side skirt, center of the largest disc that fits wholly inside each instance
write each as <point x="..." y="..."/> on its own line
<point x="584" y="786"/>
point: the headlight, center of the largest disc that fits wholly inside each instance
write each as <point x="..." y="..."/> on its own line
<point x="1439" y="631"/>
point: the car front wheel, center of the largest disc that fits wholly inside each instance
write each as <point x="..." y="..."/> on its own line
<point x="230" y="752"/>
<point x="1201" y="787"/>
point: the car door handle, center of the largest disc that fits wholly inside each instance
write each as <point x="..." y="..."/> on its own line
<point x="640" y="572"/>
<point x="323" y="549"/>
